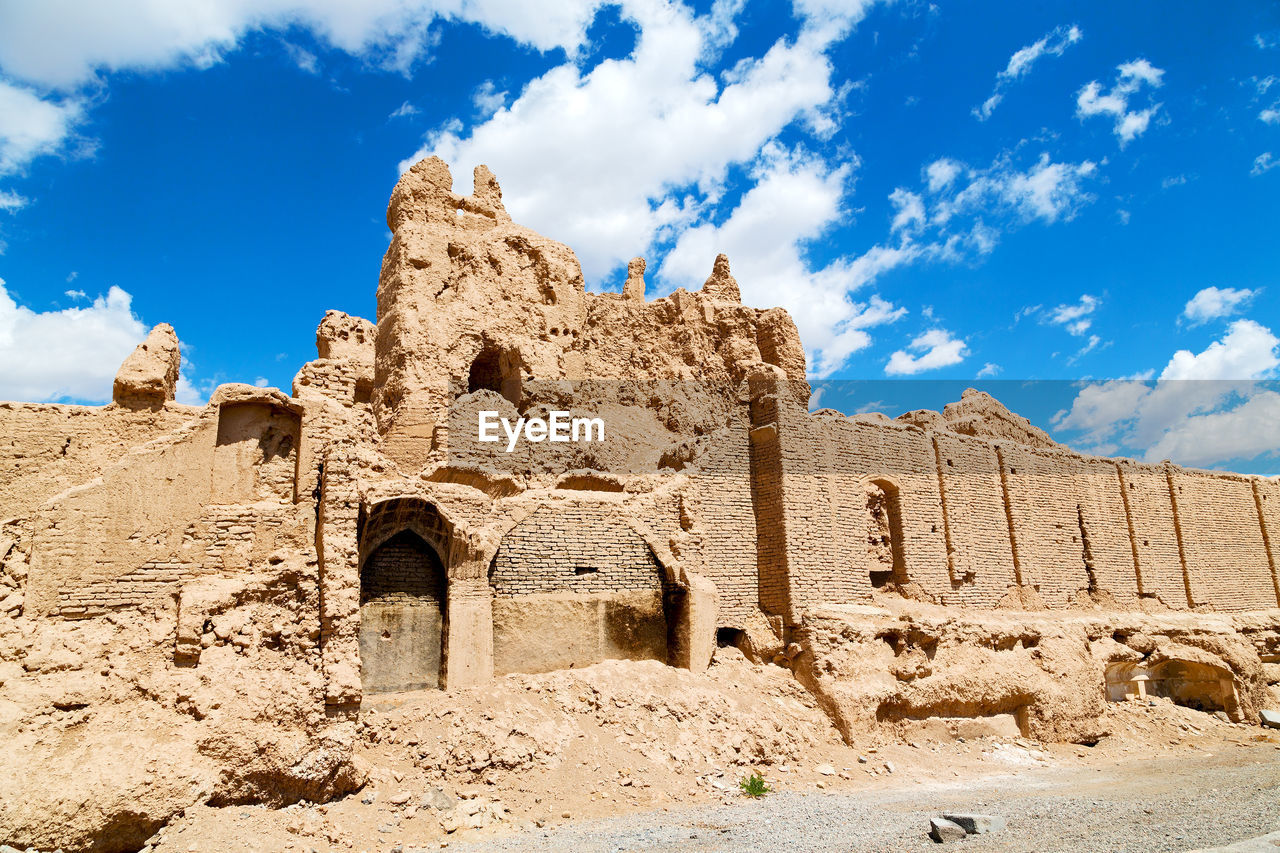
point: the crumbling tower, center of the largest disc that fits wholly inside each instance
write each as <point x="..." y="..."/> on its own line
<point x="467" y="299"/>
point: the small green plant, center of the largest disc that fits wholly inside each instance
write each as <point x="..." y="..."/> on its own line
<point x="754" y="786"/>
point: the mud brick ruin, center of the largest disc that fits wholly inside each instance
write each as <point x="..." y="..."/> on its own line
<point x="267" y="561"/>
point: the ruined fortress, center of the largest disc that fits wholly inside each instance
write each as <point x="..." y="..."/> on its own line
<point x="353" y="537"/>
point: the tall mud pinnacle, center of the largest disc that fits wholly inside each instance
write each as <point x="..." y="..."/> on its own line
<point x="633" y="288"/>
<point x="467" y="296"/>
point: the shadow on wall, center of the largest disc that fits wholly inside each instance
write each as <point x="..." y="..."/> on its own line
<point x="256" y="453"/>
<point x="884" y="533"/>
<point x="403" y="596"/>
<point x="1194" y="684"/>
<point x="498" y="371"/>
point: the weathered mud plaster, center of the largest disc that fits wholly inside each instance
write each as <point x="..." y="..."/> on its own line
<point x="198" y="581"/>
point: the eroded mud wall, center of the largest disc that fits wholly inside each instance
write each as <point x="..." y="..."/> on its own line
<point x="980" y="517"/>
<point x="827" y="462"/>
<point x="977" y="531"/>
<point x="573" y="586"/>
<point x="1222" y="536"/>
<point x="723" y="511"/>
<point x="46" y="449"/>
<point x="1154" y="532"/>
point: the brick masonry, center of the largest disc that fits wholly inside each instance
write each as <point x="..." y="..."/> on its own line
<point x="403" y="569"/>
<point x="575" y="549"/>
<point x="980" y="517"/>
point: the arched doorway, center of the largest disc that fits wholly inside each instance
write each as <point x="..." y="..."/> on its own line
<point x="886" y="564"/>
<point x="403" y="595"/>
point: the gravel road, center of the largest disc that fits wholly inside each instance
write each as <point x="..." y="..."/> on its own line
<point x="1171" y="804"/>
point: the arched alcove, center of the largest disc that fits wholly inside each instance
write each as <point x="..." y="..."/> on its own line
<point x="403" y="596"/>
<point x="572" y="586"/>
<point x="1193" y="684"/>
<point x="886" y="564"/>
<point x="496" y="370"/>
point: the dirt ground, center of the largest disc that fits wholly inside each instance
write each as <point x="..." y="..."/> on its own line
<point x="627" y="755"/>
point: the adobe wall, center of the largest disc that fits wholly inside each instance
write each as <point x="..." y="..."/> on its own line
<point x="719" y="499"/>
<point x="1067" y="520"/>
<point x="467" y="299"/>
<point x="981" y="565"/>
<point x="1154" y="532"/>
<point x="1267" y="497"/>
<point x="217" y="495"/>
<point x="983" y="516"/>
<point x="825" y="463"/>
<point x="1226" y="556"/>
<point x="573" y="585"/>
<point x="48" y="448"/>
<point x="723" y="508"/>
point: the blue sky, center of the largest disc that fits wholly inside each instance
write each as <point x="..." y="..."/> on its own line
<point x="965" y="192"/>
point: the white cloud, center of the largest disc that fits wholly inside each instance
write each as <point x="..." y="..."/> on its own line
<point x="795" y="197"/>
<point x="935" y="348"/>
<point x="1243" y="431"/>
<point x="989" y="369"/>
<point x="1263" y="163"/>
<point x="262" y="382"/>
<point x="1054" y="43"/>
<point x="1100" y="407"/>
<point x="1047" y="190"/>
<point x="1089" y="346"/>
<point x="1269" y="114"/>
<point x="69" y="354"/>
<point x="31" y="126"/>
<point x="11" y="201"/>
<point x="942" y="173"/>
<point x="910" y="210"/>
<point x="58" y="48"/>
<point x="77" y="294"/>
<point x="487" y="99"/>
<point x="612" y="159"/>
<point x="1206" y="408"/>
<point x="1077" y="318"/>
<point x="1247" y="351"/>
<point x="832" y="19"/>
<point x="304" y="59"/>
<point x="405" y="110"/>
<point x="815" y="397"/>
<point x="1131" y="77"/>
<point x="1214" y="302"/>
<point x="64" y="43"/>
<point x="946" y="220"/>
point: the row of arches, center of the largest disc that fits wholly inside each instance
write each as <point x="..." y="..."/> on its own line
<point x="567" y="587"/>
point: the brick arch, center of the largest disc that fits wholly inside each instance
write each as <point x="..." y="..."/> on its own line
<point x="575" y="547"/>
<point x="404" y="550"/>
<point x="388" y="518"/>
<point x="573" y="584"/>
<point x="891" y="491"/>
